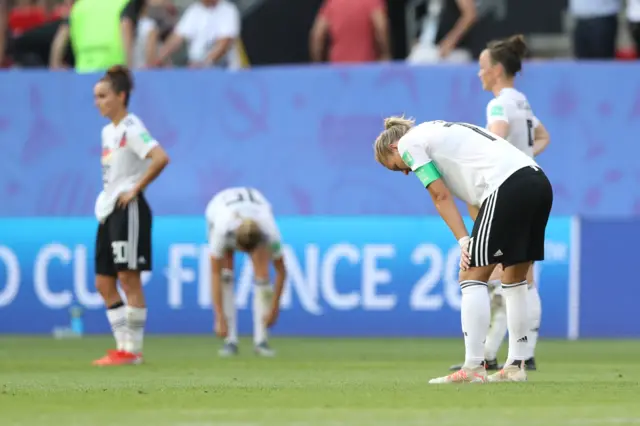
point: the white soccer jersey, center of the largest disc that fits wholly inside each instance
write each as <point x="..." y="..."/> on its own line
<point x="472" y="161"/>
<point x="512" y="107"/>
<point x="124" y="151"/>
<point x="226" y="211"/>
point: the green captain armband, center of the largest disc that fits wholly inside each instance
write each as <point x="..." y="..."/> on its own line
<point x="427" y="173"/>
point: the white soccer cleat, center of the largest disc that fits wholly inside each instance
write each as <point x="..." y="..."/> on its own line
<point x="229" y="349"/>
<point x="464" y="375"/>
<point x="263" y="349"/>
<point x="509" y="373"/>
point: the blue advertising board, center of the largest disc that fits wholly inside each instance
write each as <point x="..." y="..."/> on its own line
<point x="348" y="276"/>
<point x="306" y="133"/>
<point x="609" y="291"/>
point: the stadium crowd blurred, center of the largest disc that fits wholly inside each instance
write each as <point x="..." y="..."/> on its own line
<point x="199" y="33"/>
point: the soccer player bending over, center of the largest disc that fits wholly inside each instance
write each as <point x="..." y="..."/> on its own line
<point x="509" y="116"/>
<point x="241" y="219"/>
<point x="515" y="199"/>
<point x="131" y="160"/>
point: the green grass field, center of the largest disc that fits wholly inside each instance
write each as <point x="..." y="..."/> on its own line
<point x="311" y="382"/>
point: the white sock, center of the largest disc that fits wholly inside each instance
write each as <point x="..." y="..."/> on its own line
<point x="497" y="333"/>
<point x="498" y="329"/>
<point x="261" y="304"/>
<point x="515" y="298"/>
<point x="229" y="306"/>
<point x="535" y="312"/>
<point x="475" y="315"/>
<point x="118" y="320"/>
<point x="136" y="320"/>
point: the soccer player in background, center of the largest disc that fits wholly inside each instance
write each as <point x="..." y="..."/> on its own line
<point x="515" y="198"/>
<point x="131" y="160"/>
<point x="509" y="116"/>
<point x="241" y="219"/>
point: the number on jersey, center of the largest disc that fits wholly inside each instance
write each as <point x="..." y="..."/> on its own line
<point x="246" y="195"/>
<point x="476" y="129"/>
<point x="530" y="131"/>
<point x="119" y="249"/>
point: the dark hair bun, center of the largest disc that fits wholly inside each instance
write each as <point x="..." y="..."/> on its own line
<point x="120" y="73"/>
<point x="517" y="45"/>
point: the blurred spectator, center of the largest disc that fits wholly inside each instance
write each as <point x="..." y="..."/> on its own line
<point x="145" y="46"/>
<point x="154" y="24"/>
<point x="456" y="20"/>
<point x="633" y="15"/>
<point x="25" y="16"/>
<point x="211" y="29"/>
<point x="4" y="33"/>
<point x="35" y="47"/>
<point x="596" y="28"/>
<point x="102" y="33"/>
<point x="447" y="33"/>
<point x="358" y="31"/>
<point x="61" y="10"/>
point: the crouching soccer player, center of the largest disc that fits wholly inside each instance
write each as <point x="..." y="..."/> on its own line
<point x="241" y="219"/>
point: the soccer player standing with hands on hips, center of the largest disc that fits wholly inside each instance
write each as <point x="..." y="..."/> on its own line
<point x="241" y="219"/>
<point x="131" y="160"/>
<point x="515" y="198"/>
<point x="509" y="116"/>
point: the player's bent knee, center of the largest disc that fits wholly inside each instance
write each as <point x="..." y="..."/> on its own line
<point x="515" y="273"/>
<point x="106" y="285"/>
<point x="130" y="281"/>
<point x="530" y="277"/>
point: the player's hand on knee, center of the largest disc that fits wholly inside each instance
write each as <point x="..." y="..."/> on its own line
<point x="272" y="317"/>
<point x="465" y="257"/>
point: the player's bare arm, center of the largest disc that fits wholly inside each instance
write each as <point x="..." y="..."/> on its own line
<point x="447" y="208"/>
<point x="159" y="160"/>
<point x="449" y="212"/>
<point x="541" y="139"/>
<point x="281" y="275"/>
<point x="216" y="293"/>
<point x="500" y="128"/>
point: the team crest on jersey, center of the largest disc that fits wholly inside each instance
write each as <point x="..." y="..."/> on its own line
<point x="146" y="137"/>
<point x="106" y="155"/>
<point x="497" y="110"/>
<point x="123" y="141"/>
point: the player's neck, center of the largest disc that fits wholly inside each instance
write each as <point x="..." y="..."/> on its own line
<point x="119" y="116"/>
<point x="503" y="84"/>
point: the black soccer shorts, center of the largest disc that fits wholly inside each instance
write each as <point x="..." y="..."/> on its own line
<point x="510" y="227"/>
<point x="123" y="241"/>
